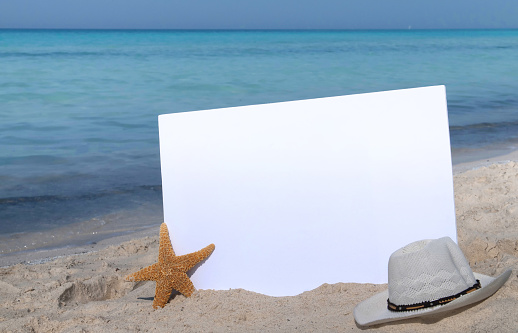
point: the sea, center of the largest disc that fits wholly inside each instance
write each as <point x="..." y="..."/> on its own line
<point x="79" y="148"/>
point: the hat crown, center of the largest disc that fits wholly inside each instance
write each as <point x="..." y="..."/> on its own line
<point x="428" y="270"/>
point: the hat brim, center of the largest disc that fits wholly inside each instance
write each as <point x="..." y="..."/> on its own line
<point x="374" y="310"/>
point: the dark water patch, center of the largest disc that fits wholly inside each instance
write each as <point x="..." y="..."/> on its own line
<point x="484" y="134"/>
<point x="34" y="159"/>
<point x="38" y="213"/>
<point x="490" y="101"/>
<point x="11" y="140"/>
<point x="123" y="125"/>
<point x="6" y="85"/>
<point x="62" y="54"/>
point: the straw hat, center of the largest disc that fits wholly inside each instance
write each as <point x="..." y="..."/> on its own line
<point x="424" y="278"/>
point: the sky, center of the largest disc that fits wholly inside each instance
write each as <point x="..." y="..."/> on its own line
<point x="258" y="14"/>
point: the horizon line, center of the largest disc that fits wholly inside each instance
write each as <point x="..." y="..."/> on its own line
<point x="258" y="29"/>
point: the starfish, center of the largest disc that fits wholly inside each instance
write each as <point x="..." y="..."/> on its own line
<point x="170" y="272"/>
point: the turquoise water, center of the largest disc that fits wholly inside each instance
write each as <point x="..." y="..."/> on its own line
<point x="78" y="109"/>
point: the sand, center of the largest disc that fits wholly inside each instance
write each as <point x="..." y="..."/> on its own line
<point x="84" y="290"/>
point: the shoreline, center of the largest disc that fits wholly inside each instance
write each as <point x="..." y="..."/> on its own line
<point x="43" y="254"/>
<point x="34" y="257"/>
<point x="485" y="162"/>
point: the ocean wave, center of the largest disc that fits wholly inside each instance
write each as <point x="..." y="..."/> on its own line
<point x="486" y="126"/>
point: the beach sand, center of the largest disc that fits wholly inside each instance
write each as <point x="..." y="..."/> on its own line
<point x="83" y="289"/>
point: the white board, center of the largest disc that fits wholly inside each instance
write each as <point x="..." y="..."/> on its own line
<point x="297" y="194"/>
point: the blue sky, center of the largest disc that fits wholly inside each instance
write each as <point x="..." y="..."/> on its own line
<point x="264" y="14"/>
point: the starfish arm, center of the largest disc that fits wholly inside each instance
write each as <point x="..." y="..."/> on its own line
<point x="165" y="249"/>
<point x="163" y="290"/>
<point x="149" y="273"/>
<point x="188" y="261"/>
<point x="170" y="271"/>
<point x="182" y="284"/>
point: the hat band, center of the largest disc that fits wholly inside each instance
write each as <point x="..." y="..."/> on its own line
<point x="429" y="304"/>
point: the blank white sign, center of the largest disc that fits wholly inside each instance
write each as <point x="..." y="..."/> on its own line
<point x="302" y="193"/>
